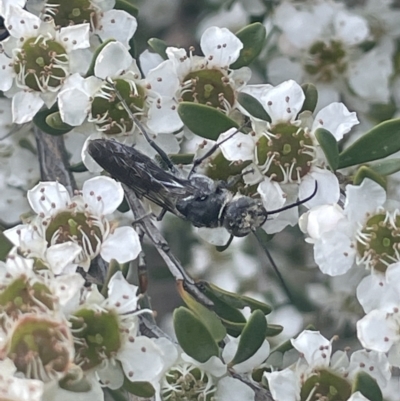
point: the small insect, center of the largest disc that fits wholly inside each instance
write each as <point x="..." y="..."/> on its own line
<point x="198" y="199"/>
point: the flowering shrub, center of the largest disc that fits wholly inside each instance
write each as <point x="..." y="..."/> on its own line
<point x="285" y="115"/>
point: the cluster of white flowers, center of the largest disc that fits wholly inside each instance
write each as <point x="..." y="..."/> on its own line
<point x="69" y="68"/>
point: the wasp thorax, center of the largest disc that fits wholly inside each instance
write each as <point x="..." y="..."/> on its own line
<point x="209" y="87"/>
<point x="285" y="153"/>
<point x="243" y="215"/>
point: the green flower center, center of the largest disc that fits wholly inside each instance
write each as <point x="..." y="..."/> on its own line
<point x="22" y="296"/>
<point x="40" y="347"/>
<point x="286" y="154"/>
<point x="71" y="12"/>
<point x="78" y="227"/>
<point x="41" y="64"/>
<point x="325" y="385"/>
<point x="109" y="113"/>
<point x="96" y="336"/>
<point x="187" y="383"/>
<point x="326" y="60"/>
<point x="378" y="242"/>
<point x="209" y="87"/>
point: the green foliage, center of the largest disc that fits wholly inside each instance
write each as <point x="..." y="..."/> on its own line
<point x="367" y="386"/>
<point x="253" y="336"/>
<point x="159" y="46"/>
<point x="378" y="143"/>
<point x="49" y="121"/>
<point x="311" y="94"/>
<point x="253" y="106"/>
<point x="205" y="121"/>
<point x="193" y="335"/>
<point x="329" y="146"/>
<point x="253" y="38"/>
<point x="5" y="246"/>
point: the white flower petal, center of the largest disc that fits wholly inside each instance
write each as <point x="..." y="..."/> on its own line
<point x="328" y="190"/>
<point x="118" y="25"/>
<point x="271" y="193"/>
<point x="351" y="29"/>
<point x="113" y="59"/>
<point x="74" y="106"/>
<point x="62" y="255"/>
<point x="335" y="118"/>
<point x="229" y="389"/>
<point x="21" y="23"/>
<point x="75" y="36"/>
<point x="163" y="116"/>
<point x="123" y="245"/>
<point x="314" y="347"/>
<point x="102" y="194"/>
<point x="25" y="105"/>
<point x="334" y="253"/>
<point x="236" y="146"/>
<point x="363" y="200"/>
<point x="122" y="295"/>
<point x="141" y="359"/>
<point x="378" y="330"/>
<point x="163" y="79"/>
<point x="216" y="236"/>
<point x="374" y="292"/>
<point x="48" y="198"/>
<point x="6" y="72"/>
<point x="284" y="102"/>
<point x="220" y="46"/>
<point x="284" y="385"/>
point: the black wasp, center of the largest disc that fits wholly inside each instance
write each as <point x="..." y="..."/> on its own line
<point x="198" y="199"/>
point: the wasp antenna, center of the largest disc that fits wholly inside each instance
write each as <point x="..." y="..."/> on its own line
<point x="299" y="202"/>
<point x="273" y="264"/>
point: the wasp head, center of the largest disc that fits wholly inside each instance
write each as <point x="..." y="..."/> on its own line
<point x="242" y="215"/>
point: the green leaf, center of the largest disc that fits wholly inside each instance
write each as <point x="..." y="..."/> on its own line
<point x="378" y="143"/>
<point x="159" y="46"/>
<point x="329" y="146"/>
<point x="208" y="317"/>
<point x="232" y="328"/>
<point x="253" y="106"/>
<point x="233" y="299"/>
<point x="126" y="6"/>
<point x="366" y="172"/>
<point x="78" y="168"/>
<point x="251" y="339"/>
<point x="205" y="121"/>
<point x="90" y="71"/>
<point x="140" y="389"/>
<point x="5" y="246"/>
<point x="193" y="336"/>
<point x="386" y="167"/>
<point x="182" y="158"/>
<point x="311" y="93"/>
<point x="367" y="386"/>
<point x="273" y="330"/>
<point x="382" y="112"/>
<point x="42" y="122"/>
<point x="54" y="121"/>
<point x="124" y="206"/>
<point x="253" y="39"/>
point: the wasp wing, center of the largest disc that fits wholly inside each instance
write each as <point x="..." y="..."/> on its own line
<point x="140" y="173"/>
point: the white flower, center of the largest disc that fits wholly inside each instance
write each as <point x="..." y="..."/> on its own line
<point x="207" y="80"/>
<point x="286" y="152"/>
<point x="364" y="232"/>
<point x="77" y="224"/>
<point x="117" y="336"/>
<point x="14" y="388"/>
<point x="36" y="59"/>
